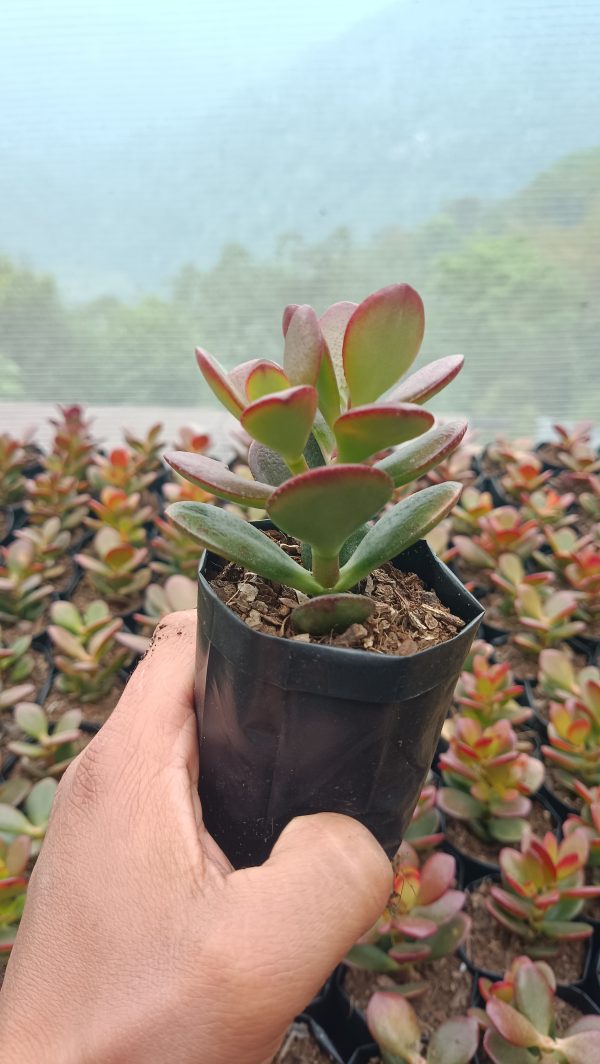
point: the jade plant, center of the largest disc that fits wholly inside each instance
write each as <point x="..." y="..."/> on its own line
<point x="487" y="693"/>
<point x="557" y="675"/>
<point x="14" y="858"/>
<point x="50" y="546"/>
<point x="116" y="570"/>
<point x="175" y="550"/>
<point x="424" y="831"/>
<point x="520" y="1019"/>
<point x="32" y="819"/>
<point x="574" y="732"/>
<point x="394" y="1025"/>
<point x="423" y="920"/>
<point x="52" y="494"/>
<point x="589" y="820"/>
<point x="13" y="460"/>
<point x="501" y="531"/>
<point x="73" y="443"/>
<point x="524" y="476"/>
<point x="192" y="439"/>
<point x="549" y="508"/>
<point x="123" y="512"/>
<point x="86" y="655"/>
<point x="120" y="468"/>
<point x="178" y="593"/>
<point x="547" y="617"/>
<point x="467" y="514"/>
<point x="333" y="434"/>
<point x="23" y="591"/>
<point x="543" y="890"/>
<point x="489" y="779"/>
<point x="49" y="749"/>
<point x="510" y="577"/>
<point x="147" y="449"/>
<point x="16" y="665"/>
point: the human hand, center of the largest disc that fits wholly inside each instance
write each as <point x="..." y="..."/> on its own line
<point x="139" y="943"/>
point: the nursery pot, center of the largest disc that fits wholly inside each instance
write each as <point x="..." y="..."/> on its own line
<point x="288" y="728"/>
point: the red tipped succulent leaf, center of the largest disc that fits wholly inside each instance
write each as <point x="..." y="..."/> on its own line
<point x="427" y="381"/>
<point x="333" y="326"/>
<point x="218" y="381"/>
<point x="381" y="341"/>
<point x="283" y="421"/>
<point x="264" y="379"/>
<point x="365" y="430"/>
<point x="418" y="456"/>
<point x="218" y="479"/>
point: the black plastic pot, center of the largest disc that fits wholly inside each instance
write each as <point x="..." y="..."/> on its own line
<point x="289" y="728"/>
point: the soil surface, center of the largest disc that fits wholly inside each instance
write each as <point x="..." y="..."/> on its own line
<point x="448" y="988"/>
<point x="407" y="617"/>
<point x="85" y="593"/>
<point x="493" y="947"/>
<point x="462" y="838"/>
<point x="299" y="1047"/>
<point x="524" y="666"/>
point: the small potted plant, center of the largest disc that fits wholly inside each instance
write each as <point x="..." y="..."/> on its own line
<point x="330" y="645"/>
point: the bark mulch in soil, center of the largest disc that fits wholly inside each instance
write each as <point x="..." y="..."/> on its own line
<point x="448" y="990"/>
<point x="299" y="1047"/>
<point x="493" y="948"/>
<point x="462" y="838"/>
<point x="407" y="617"/>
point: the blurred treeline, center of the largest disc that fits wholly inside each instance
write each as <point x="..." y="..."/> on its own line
<point x="514" y="286"/>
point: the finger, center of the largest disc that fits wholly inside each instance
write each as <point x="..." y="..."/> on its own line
<point x="325" y="883"/>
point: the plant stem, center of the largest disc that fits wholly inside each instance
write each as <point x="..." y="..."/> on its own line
<point x="325" y="570"/>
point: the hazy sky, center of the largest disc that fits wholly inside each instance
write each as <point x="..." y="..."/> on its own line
<point x="122" y="63"/>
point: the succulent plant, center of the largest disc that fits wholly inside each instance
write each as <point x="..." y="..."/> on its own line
<point x="549" y="508"/>
<point x="502" y="531"/>
<point x="148" y="449"/>
<point x="50" y="546"/>
<point x="14" y="858"/>
<point x="424" y="831"/>
<point x="16" y="665"/>
<point x="123" y="512"/>
<point x="120" y="469"/>
<point x="489" y="778"/>
<point x="574" y="732"/>
<point x="510" y="576"/>
<point x="49" y="750"/>
<point x="487" y="693"/>
<point x="590" y="500"/>
<point x="192" y="439"/>
<point x="23" y="593"/>
<point x="13" y="459"/>
<point x="180" y="490"/>
<point x="73" y="443"/>
<point x="116" y="570"/>
<point x="32" y="820"/>
<point x="589" y="820"/>
<point x="571" y="439"/>
<point x="458" y="466"/>
<point x="564" y="543"/>
<point x="174" y="549"/>
<point x="178" y="593"/>
<point x="394" y="1025"/>
<point x="53" y="494"/>
<point x="543" y="890"/>
<point x="317" y="424"/>
<point x="87" y="655"/>
<point x="582" y="574"/>
<point x="546" y="617"/>
<point x="422" y="922"/>
<point x="524" y="476"/>
<point x="467" y="513"/>
<point x="520" y="1022"/>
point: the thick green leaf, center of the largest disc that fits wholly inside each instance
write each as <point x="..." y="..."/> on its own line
<point x="66" y="615"/>
<point x="459" y="804"/>
<point x="283" y="421"/>
<point x="506" y="829"/>
<point x="240" y="542"/>
<point x="219" y="383"/>
<point x="397" y="529"/>
<point x="501" y="1052"/>
<point x="417" y="457"/>
<point x="14" y="790"/>
<point x="331" y="613"/>
<point x="324" y="506"/>
<point x="533" y="997"/>
<point x="39" y="801"/>
<point x="381" y="341"/>
<point x="333" y="326"/>
<point x="266" y="465"/>
<point x="327" y="387"/>
<point x="31" y="719"/>
<point x="365" y="430"/>
<point x="394" y="1025"/>
<point x="449" y="936"/>
<point x="372" y="959"/>
<point x="304" y="345"/>
<point x="13" y="822"/>
<point x="512" y="1025"/>
<point x="455" y="1042"/>
<point x="264" y="379"/>
<point x="427" y="381"/>
<point x="288" y="313"/>
<point x="313" y="453"/>
<point x="215" y="477"/>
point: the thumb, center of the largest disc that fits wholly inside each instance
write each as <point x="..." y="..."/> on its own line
<point x="325" y="883"/>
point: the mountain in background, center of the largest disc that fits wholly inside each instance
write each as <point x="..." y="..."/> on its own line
<point x="430" y="101"/>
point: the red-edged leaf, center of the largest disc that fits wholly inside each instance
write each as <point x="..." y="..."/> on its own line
<point x="288" y="314"/>
<point x="416" y="927"/>
<point x="398" y="528"/>
<point x="454" y="1042"/>
<point x="333" y="326"/>
<point x="427" y="381"/>
<point x="417" y="457"/>
<point x="215" y="477"/>
<point x="394" y="1025"/>
<point x="327" y="387"/>
<point x="533" y="996"/>
<point x="264" y="379"/>
<point x="304" y="346"/>
<point x="437" y="875"/>
<point x="283" y="421"/>
<point x="347" y="494"/>
<point x="365" y="430"/>
<point x="381" y="341"/>
<point x="218" y="381"/>
<point x="516" y="1028"/>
